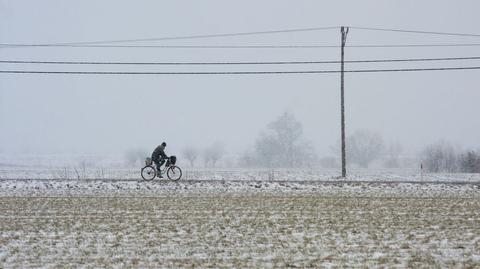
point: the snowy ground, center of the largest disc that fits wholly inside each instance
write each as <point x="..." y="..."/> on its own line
<point x="246" y="222"/>
<point x="47" y="188"/>
<point x="381" y="175"/>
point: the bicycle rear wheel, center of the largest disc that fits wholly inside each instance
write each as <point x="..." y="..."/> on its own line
<point x="148" y="172"/>
<point x="174" y="173"/>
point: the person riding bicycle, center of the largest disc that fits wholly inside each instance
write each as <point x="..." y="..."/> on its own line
<point x="159" y="157"/>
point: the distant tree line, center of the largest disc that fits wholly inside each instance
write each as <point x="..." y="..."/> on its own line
<point x="282" y="145"/>
<point x="210" y="155"/>
<point x="136" y="157"/>
<point x="443" y="157"/>
<point x="365" y="146"/>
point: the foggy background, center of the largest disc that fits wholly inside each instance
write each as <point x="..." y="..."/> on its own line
<point x="110" y="114"/>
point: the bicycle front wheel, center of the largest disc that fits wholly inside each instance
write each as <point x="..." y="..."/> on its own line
<point x="148" y="172"/>
<point x="174" y="173"/>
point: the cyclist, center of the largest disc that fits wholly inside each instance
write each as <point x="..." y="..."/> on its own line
<point x="159" y="157"/>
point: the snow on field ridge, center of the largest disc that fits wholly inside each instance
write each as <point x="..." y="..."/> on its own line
<point x="168" y="188"/>
<point x="398" y="175"/>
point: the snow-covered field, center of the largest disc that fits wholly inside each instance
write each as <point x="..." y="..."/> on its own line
<point x="245" y="222"/>
<point x="137" y="188"/>
<point x="381" y="175"/>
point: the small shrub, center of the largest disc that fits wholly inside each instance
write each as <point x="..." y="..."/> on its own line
<point x="469" y="162"/>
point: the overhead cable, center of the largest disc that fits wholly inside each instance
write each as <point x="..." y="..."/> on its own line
<point x="185" y="37"/>
<point x="237" y="72"/>
<point x="10" y="46"/>
<point x="415" y="31"/>
<point x="234" y="34"/>
<point x="237" y="63"/>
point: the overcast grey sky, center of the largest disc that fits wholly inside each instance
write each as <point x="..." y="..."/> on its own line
<point x="74" y="113"/>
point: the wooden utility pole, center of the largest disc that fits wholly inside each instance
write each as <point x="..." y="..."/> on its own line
<point x="344" y="31"/>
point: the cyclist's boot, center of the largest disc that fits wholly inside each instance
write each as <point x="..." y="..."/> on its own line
<point x="159" y="174"/>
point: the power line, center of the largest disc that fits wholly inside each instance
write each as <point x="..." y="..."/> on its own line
<point x="164" y="73"/>
<point x="238" y="63"/>
<point x="414" y="45"/>
<point x="238" y="72"/>
<point x="413" y="69"/>
<point x="414" y="31"/>
<point x="414" y="60"/>
<point x="10" y="46"/>
<point x="162" y="63"/>
<point x="235" y="34"/>
<point x="190" y="36"/>
<point x="6" y="45"/>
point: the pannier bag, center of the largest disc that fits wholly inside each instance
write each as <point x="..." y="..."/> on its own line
<point x="148" y="161"/>
<point x="173" y="159"/>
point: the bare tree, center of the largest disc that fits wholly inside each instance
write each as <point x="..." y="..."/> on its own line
<point x="135" y="156"/>
<point x="305" y="154"/>
<point x="191" y="154"/>
<point x="267" y="150"/>
<point x="393" y="152"/>
<point x="131" y="157"/>
<point x="213" y="154"/>
<point x="282" y="144"/>
<point x="328" y="162"/>
<point x="363" y="147"/>
<point x="248" y="159"/>
<point x="469" y="162"/>
<point x="440" y="157"/>
<point x="287" y="131"/>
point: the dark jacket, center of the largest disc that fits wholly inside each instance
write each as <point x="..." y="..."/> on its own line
<point x="159" y="152"/>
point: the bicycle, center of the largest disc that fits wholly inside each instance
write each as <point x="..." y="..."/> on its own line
<point x="149" y="171"/>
